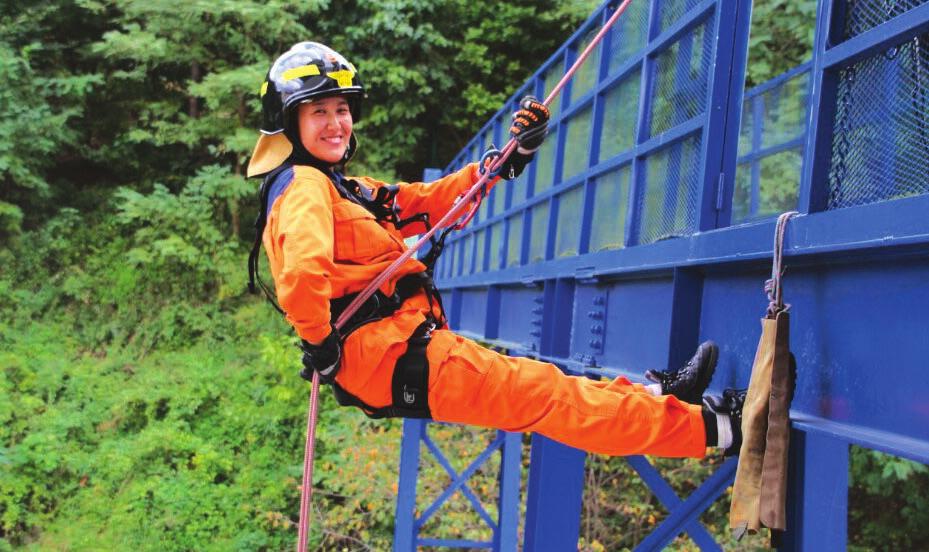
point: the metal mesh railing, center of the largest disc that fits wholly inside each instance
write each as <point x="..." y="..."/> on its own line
<point x="577" y="143"/>
<point x="671" y="11"/>
<point x="629" y="35"/>
<point x="771" y="141"/>
<point x="544" y="215"/>
<point x="863" y="15"/>
<point x="570" y="215"/>
<point x="620" y="117"/>
<point x="881" y="143"/>
<point x="670" y="184"/>
<point x="585" y="79"/>
<point x="681" y="74"/>
<point x="611" y="203"/>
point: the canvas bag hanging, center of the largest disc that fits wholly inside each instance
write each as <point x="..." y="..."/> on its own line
<point x="759" y="492"/>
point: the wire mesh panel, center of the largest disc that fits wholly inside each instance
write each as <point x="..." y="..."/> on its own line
<point x="863" y="15"/>
<point x="620" y="116"/>
<point x="568" y="228"/>
<point x="577" y="143"/>
<point x="770" y="152"/>
<point x="611" y="199"/>
<point x="466" y="247"/>
<point x="552" y="76"/>
<point x="881" y="143"/>
<point x="681" y="74"/>
<point x="479" y="251"/>
<point x="514" y="240"/>
<point x="545" y="163"/>
<point x="586" y="76"/>
<point x="520" y="188"/>
<point x="668" y="203"/>
<point x="539" y="233"/>
<point x="670" y="11"/>
<point x="772" y="191"/>
<point x="629" y="35"/>
<point x="449" y="259"/>
<point x="495" y="237"/>
<point x="784" y="111"/>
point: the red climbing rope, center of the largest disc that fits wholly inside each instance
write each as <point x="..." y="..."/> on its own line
<point x="449" y="218"/>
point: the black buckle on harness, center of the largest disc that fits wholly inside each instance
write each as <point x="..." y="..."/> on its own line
<point x="409" y="384"/>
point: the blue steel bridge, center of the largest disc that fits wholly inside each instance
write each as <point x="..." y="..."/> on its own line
<point x="646" y="226"/>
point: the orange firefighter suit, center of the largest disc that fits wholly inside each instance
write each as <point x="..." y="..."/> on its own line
<point x="322" y="246"/>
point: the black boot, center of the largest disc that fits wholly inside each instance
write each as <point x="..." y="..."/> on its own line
<point x="730" y="404"/>
<point x="690" y="381"/>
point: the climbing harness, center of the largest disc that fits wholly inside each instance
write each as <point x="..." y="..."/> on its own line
<point x="380" y="204"/>
<point x="445" y="222"/>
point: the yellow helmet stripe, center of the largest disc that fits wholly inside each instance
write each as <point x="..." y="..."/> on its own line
<point x="264" y="88"/>
<point x="302" y="71"/>
<point x="343" y="77"/>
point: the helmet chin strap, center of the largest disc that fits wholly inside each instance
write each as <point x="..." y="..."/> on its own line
<point x="300" y="155"/>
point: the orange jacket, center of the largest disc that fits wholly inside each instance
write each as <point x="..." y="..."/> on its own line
<point x="322" y="246"/>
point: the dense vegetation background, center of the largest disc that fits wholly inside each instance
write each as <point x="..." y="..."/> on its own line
<point x="147" y="402"/>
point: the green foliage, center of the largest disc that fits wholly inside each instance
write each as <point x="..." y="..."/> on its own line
<point x="781" y="38"/>
<point x="888" y="506"/>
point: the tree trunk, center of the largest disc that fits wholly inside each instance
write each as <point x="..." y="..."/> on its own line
<point x="193" y="103"/>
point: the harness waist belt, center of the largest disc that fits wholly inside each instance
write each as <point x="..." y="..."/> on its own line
<point x="380" y="305"/>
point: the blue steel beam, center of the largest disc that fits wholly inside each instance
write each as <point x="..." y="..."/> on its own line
<point x="754" y="157"/>
<point x="690" y="509"/>
<point x="672" y="502"/>
<point x="554" y="495"/>
<point x="876" y="40"/>
<point x="455" y="543"/>
<point x="507" y="538"/>
<point x="867" y="231"/>
<point x="817" y="157"/>
<point x="817" y="512"/>
<point x="761" y="153"/>
<point x="458" y="482"/>
<point x="465" y="490"/>
<point x="724" y="112"/>
<point x="404" y="530"/>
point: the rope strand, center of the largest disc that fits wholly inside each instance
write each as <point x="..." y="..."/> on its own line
<point x="773" y="287"/>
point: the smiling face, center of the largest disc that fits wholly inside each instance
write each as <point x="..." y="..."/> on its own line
<point x="325" y="127"/>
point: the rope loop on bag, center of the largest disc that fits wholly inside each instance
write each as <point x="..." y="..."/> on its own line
<point x="773" y="287"/>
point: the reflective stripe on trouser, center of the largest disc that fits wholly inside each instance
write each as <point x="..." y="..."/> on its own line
<point x="470" y="384"/>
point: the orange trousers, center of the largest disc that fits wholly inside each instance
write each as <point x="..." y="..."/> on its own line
<point x="470" y="384"/>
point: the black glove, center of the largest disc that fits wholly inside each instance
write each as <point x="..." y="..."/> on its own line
<point x="511" y="168"/>
<point x="530" y="124"/>
<point x="323" y="358"/>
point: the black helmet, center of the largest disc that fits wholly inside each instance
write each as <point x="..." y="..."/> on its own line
<point x="272" y="110"/>
<point x="309" y="70"/>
